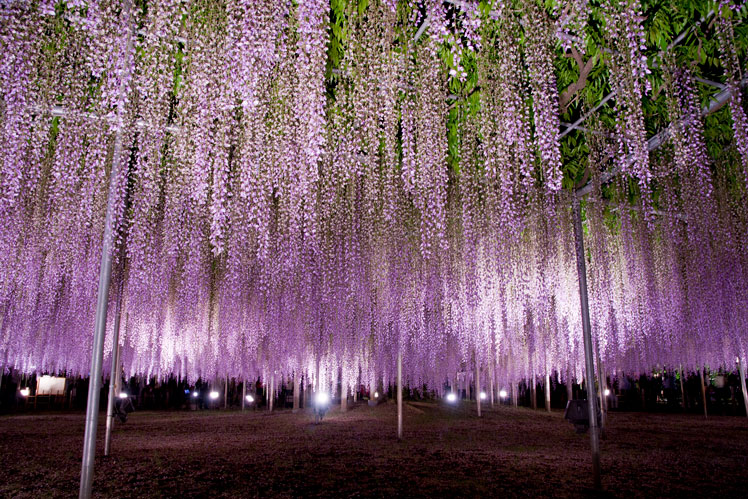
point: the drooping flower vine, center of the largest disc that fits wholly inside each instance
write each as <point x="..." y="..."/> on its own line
<point x="542" y="81"/>
<point x="628" y="77"/>
<point x="735" y="81"/>
<point x="278" y="219"/>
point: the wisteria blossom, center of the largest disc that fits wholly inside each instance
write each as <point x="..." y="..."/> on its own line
<point x="282" y="214"/>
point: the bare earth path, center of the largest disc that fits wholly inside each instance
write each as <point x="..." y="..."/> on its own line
<point x="445" y="452"/>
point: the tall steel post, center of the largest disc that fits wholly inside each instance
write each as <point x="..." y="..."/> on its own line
<point x="114" y="373"/>
<point x="296" y="392"/>
<point x="105" y="273"/>
<point x="492" y="382"/>
<point x="343" y="392"/>
<point x="703" y="390"/>
<point x="477" y="386"/>
<point x="587" y="333"/>
<point x="244" y="392"/>
<point x="2" y="373"/>
<point x="682" y="389"/>
<point x="399" y="395"/>
<point x="534" y="393"/>
<point x="271" y="392"/>
<point x="741" y="372"/>
<point x="601" y="385"/>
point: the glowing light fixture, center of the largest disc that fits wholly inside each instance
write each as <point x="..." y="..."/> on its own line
<point x="122" y="395"/>
<point x="322" y="398"/>
<point x="25" y="392"/>
<point x="451" y="398"/>
<point x="606" y="392"/>
<point x="249" y="398"/>
<point x="195" y="394"/>
<point x="502" y="394"/>
<point x="483" y="396"/>
<point x="213" y="395"/>
<point x="376" y="395"/>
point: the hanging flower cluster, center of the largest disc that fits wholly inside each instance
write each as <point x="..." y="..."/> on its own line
<point x="272" y="222"/>
<point x="628" y="78"/>
<point x="541" y="39"/>
<point x="731" y="63"/>
<point x="506" y="148"/>
<point x="572" y="24"/>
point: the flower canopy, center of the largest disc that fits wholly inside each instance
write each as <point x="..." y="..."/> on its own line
<point x="312" y="187"/>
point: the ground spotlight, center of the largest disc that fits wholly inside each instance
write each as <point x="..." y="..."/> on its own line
<point x="321" y="399"/>
<point x="451" y="398"/>
<point x="25" y="392"/>
<point x="606" y="392"/>
<point x="213" y="395"/>
<point x="249" y="398"/>
<point x="376" y="395"/>
<point x="321" y="405"/>
<point x="502" y="394"/>
<point x="195" y="394"/>
<point x="483" y="396"/>
<point x="122" y="395"/>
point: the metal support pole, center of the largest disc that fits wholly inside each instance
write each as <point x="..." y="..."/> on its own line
<point x="399" y="395"/>
<point x="271" y="392"/>
<point x="547" y="392"/>
<point x="534" y="393"/>
<point x="226" y="393"/>
<point x="741" y="372"/>
<point x="315" y="384"/>
<point x="601" y="385"/>
<point x="477" y="386"/>
<point x="343" y="393"/>
<point x="296" y="392"/>
<point x="682" y="390"/>
<point x="703" y="390"/>
<point x="114" y="374"/>
<point x="105" y="272"/>
<point x="493" y="382"/>
<point x="587" y="333"/>
<point x="244" y="392"/>
<point x="2" y="374"/>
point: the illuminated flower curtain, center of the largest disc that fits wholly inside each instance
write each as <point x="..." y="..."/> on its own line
<point x="277" y="217"/>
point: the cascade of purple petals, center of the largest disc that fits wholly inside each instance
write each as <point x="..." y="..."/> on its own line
<point x="273" y="228"/>
<point x="628" y="78"/>
<point x="733" y="72"/>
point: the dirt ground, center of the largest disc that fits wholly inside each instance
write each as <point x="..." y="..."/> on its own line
<point x="446" y="451"/>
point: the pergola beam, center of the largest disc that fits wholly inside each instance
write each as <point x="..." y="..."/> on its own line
<point x="58" y="111"/>
<point x="660" y="138"/>
<point x="583" y="118"/>
<point x="585" y="129"/>
<point x="605" y="99"/>
<point x="710" y="83"/>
